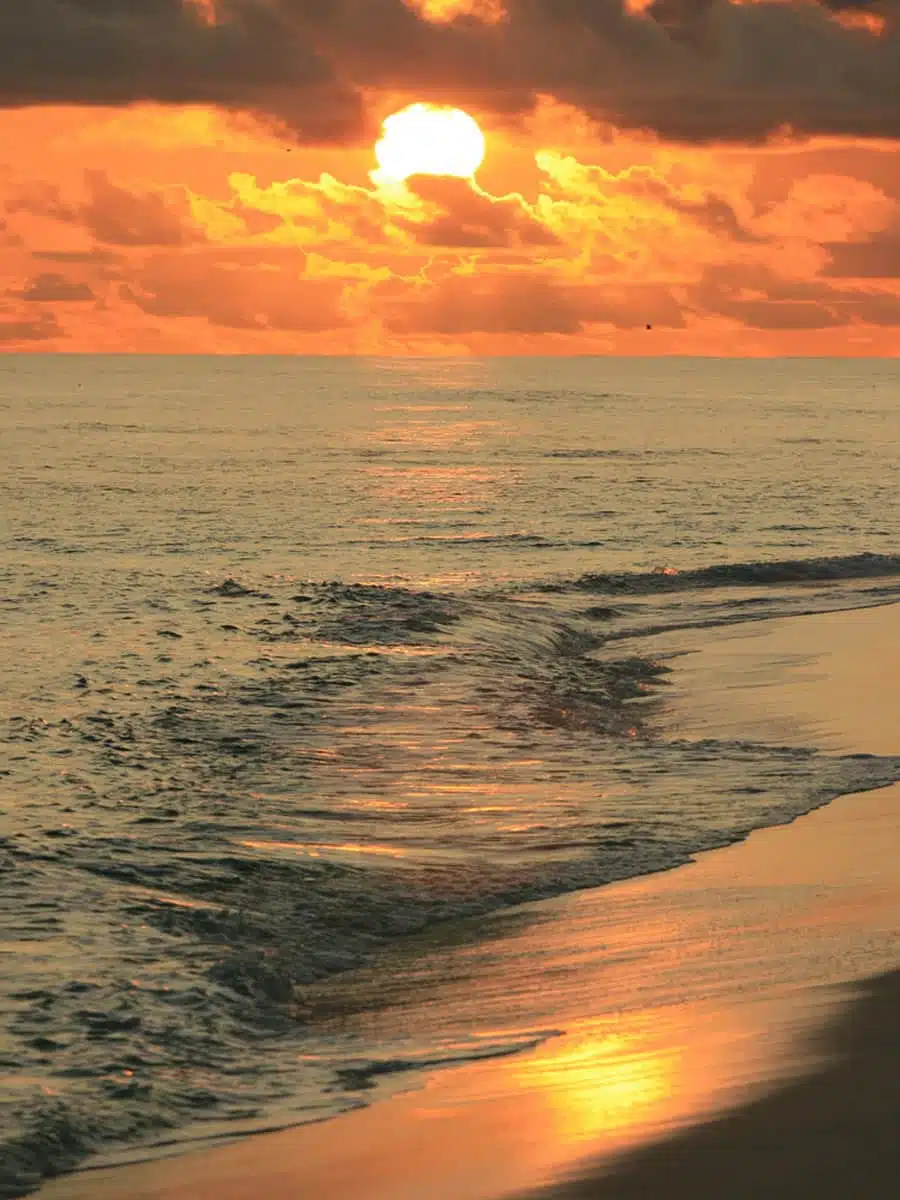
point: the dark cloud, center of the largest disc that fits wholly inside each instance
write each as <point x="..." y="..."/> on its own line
<point x="757" y="297"/>
<point x="119" y="217"/>
<point x="757" y="68"/>
<point x="717" y="215"/>
<point x="695" y="70"/>
<point x="98" y="256"/>
<point x="469" y="218"/>
<point x="877" y="257"/>
<point x="530" y="302"/>
<point x="9" y="237"/>
<point x="114" y="52"/>
<point x="18" y="329"/>
<point x="52" y="288"/>
<point x="775" y="174"/>
<point x="875" y="308"/>
<point x="40" y="198"/>
<point x="112" y="214"/>
<point x="240" y="290"/>
<point x="510" y="303"/>
<point x="633" y="306"/>
<point x="711" y="211"/>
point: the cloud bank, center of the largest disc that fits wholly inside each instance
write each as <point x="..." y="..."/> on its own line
<point x="690" y="70"/>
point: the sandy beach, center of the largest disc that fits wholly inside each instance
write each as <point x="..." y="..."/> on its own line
<point x="726" y="1029"/>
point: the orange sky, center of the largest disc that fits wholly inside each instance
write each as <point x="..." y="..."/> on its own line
<point x="153" y="225"/>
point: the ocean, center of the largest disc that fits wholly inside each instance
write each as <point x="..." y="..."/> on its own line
<point x="307" y="659"/>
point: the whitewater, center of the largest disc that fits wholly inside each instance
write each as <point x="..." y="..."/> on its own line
<point x="300" y="658"/>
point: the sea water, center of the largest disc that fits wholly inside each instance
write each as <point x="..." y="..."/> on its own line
<point x="299" y="657"/>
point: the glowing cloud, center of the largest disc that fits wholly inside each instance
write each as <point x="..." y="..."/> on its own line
<point x="444" y="11"/>
<point x="205" y="10"/>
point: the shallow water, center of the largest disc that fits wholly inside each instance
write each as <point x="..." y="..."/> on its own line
<point x="303" y="656"/>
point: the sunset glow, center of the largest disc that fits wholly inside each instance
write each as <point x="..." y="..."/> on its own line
<point x="315" y="184"/>
<point x="443" y="11"/>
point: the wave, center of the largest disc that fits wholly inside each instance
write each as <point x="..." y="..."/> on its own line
<point x="747" y="574"/>
<point x="361" y="1075"/>
<point x="354" y="764"/>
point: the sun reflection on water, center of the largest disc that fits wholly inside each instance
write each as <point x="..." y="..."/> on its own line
<point x="594" y="1085"/>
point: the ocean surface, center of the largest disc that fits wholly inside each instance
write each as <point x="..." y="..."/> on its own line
<point x="301" y="657"/>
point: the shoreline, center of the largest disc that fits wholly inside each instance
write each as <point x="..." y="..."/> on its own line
<point x="679" y="993"/>
<point x="831" y="1133"/>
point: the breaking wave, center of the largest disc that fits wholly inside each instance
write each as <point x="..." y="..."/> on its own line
<point x="310" y="772"/>
<point x="788" y="571"/>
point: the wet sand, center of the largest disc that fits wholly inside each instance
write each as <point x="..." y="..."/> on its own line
<point x="709" y="1044"/>
<point x="832" y="1135"/>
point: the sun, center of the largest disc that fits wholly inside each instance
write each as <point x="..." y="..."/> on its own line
<point x="425" y="139"/>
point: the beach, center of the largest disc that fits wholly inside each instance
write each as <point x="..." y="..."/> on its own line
<point x="741" y="984"/>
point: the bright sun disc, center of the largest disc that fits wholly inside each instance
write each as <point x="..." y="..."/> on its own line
<point x="426" y="140"/>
